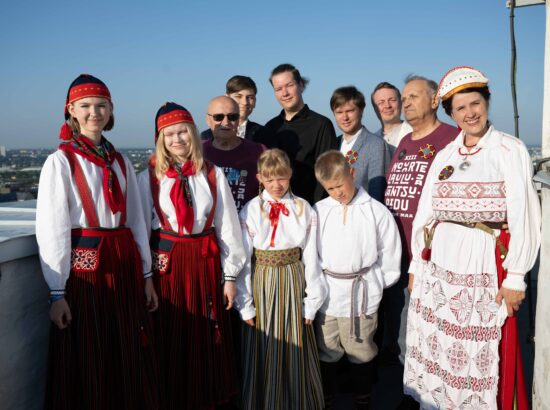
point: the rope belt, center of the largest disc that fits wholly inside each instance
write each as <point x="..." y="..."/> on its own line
<point x="357" y="281"/>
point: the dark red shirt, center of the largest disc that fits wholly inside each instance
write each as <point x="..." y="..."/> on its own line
<point x="239" y="166"/>
<point x="406" y="176"/>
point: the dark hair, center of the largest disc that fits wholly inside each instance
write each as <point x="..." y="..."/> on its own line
<point x="342" y="95"/>
<point x="238" y="83"/>
<point x="448" y="103"/>
<point x="283" y="68"/>
<point x="380" y="86"/>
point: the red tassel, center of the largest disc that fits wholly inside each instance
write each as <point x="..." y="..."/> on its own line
<point x="66" y="132"/>
<point x="426" y="254"/>
<point x="217" y="335"/>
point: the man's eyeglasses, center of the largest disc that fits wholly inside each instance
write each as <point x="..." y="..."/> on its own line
<point x="234" y="116"/>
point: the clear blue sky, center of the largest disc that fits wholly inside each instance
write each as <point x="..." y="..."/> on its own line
<point x="184" y="51"/>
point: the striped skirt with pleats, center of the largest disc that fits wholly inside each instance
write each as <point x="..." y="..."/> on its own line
<point x="192" y="327"/>
<point x="281" y="362"/>
<point x="104" y="360"/>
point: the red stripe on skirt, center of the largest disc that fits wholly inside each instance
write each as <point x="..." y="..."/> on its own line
<point x="512" y="393"/>
<point x="105" y="360"/>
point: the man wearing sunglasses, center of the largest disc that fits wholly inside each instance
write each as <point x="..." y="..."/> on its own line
<point x="302" y="133"/>
<point x="236" y="156"/>
<point x="243" y="90"/>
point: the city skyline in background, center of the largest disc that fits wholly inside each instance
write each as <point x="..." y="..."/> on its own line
<point x="185" y="51"/>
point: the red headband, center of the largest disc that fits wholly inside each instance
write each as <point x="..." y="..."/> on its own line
<point x="88" y="90"/>
<point x="173" y="117"/>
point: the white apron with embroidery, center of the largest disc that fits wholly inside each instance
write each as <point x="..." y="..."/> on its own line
<point x="454" y="324"/>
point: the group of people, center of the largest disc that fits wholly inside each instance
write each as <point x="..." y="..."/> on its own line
<point x="240" y="268"/>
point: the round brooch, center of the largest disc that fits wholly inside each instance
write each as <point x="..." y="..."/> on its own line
<point x="427" y="152"/>
<point x="351" y="156"/>
<point x="446" y="172"/>
<point x="402" y="154"/>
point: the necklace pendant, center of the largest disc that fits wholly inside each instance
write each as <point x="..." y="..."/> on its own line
<point x="464" y="166"/>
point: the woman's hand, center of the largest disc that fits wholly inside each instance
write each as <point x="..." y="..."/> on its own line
<point x="60" y="313"/>
<point x="512" y="298"/>
<point x="250" y="322"/>
<point x="308" y="322"/>
<point x="411" y="282"/>
<point x="151" y="298"/>
<point x="229" y="293"/>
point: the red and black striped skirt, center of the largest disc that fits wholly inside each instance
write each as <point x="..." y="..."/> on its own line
<point x="105" y="358"/>
<point x="192" y="327"/>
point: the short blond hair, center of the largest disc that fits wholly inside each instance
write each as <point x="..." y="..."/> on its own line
<point x="330" y="165"/>
<point x="164" y="159"/>
<point x="274" y="162"/>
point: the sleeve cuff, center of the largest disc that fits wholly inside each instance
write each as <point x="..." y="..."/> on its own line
<point x="415" y="267"/>
<point x="309" y="312"/>
<point x="248" y="313"/>
<point x="229" y="278"/>
<point x="514" y="282"/>
<point x="148" y="275"/>
<point x="57" y="292"/>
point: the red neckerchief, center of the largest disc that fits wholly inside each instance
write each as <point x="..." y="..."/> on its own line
<point x="180" y="194"/>
<point x="103" y="156"/>
<point x="274" y="212"/>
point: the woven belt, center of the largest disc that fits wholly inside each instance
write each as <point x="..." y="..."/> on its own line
<point x="357" y="280"/>
<point x="277" y="257"/>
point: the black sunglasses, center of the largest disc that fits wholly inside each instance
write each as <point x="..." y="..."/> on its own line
<point x="234" y="116"/>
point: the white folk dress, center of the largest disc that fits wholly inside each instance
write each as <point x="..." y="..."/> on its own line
<point x="454" y="324"/>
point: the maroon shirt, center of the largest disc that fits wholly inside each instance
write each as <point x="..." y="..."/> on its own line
<point x="406" y="176"/>
<point x="239" y="166"/>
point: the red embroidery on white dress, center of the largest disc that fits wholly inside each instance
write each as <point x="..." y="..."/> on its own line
<point x="442" y="398"/>
<point x="84" y="259"/>
<point x="470" y="190"/>
<point x="474" y="402"/>
<point x="457" y="357"/>
<point x="469" y="280"/>
<point x="434" y="346"/>
<point x="438" y="296"/>
<point x="461" y="305"/>
<point x="160" y="261"/>
<point x="474" y="333"/>
<point x="486" y="307"/>
<point x="484" y="359"/>
<point x="467" y="216"/>
<point x="468" y="382"/>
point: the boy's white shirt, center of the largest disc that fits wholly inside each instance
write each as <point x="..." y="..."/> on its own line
<point x="368" y="238"/>
<point x="292" y="231"/>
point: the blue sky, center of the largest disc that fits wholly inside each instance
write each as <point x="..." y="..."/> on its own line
<point x="184" y="51"/>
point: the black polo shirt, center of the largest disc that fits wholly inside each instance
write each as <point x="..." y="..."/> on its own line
<point x="306" y="136"/>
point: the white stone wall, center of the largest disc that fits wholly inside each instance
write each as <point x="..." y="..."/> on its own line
<point x="24" y="330"/>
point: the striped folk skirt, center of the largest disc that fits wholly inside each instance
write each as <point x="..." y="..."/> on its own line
<point x="192" y="327"/>
<point x="281" y="362"/>
<point x="104" y="360"/>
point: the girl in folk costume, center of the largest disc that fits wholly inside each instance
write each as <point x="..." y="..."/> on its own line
<point x="280" y="290"/>
<point x="95" y="259"/>
<point x="195" y="231"/>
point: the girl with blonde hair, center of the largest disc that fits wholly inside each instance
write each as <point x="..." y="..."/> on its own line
<point x="280" y="291"/>
<point x="197" y="254"/>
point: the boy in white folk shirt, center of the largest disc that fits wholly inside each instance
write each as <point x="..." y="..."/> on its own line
<point x="360" y="254"/>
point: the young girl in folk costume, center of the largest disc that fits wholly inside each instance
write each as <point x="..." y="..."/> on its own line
<point x="95" y="259"/>
<point x="280" y="298"/>
<point x="195" y="232"/>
